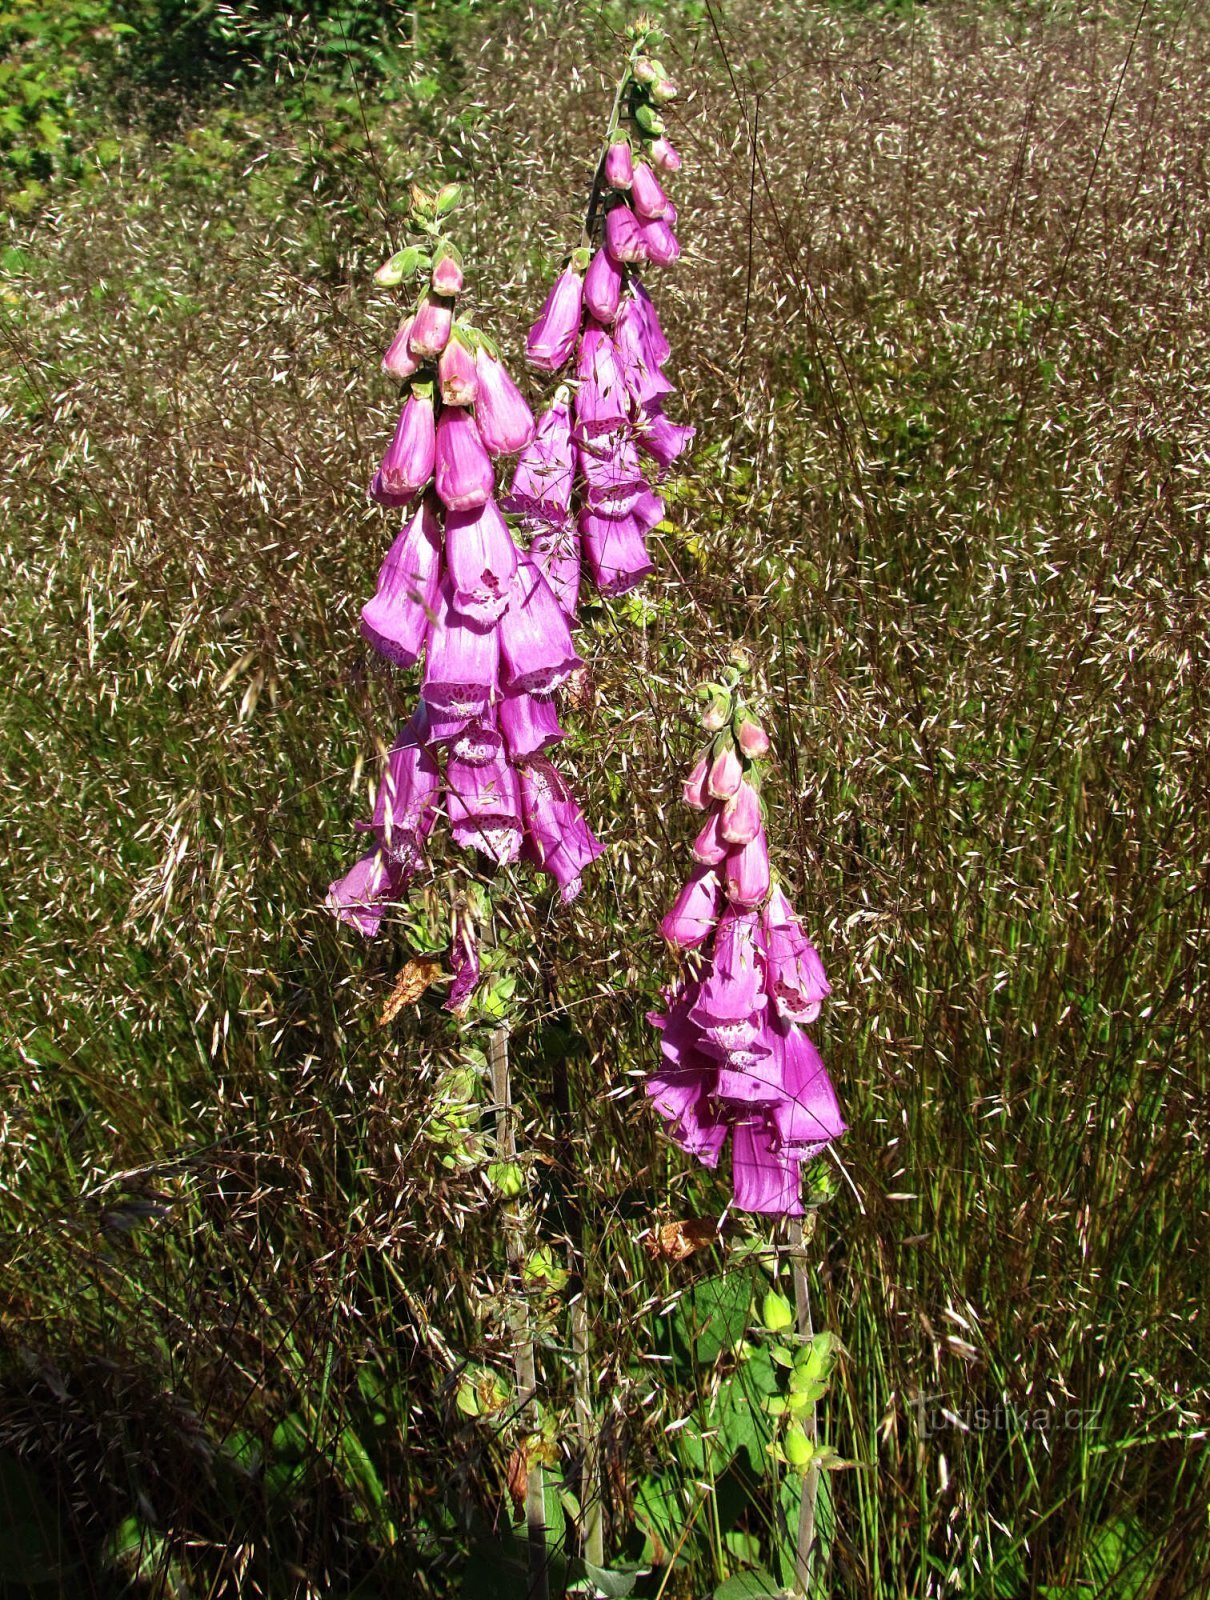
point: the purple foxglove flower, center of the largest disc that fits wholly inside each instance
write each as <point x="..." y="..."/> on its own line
<point x="648" y="511"/>
<point x="763" y="1180"/>
<point x="463" y="469"/>
<point x="529" y="723"/>
<point x="502" y="412"/>
<point x="658" y="347"/>
<point x="483" y="803"/>
<point x="726" y="773"/>
<point x="446" y="277"/>
<point x="642" y="375"/>
<point x="432" y="327"/>
<point x="602" y="399"/>
<point x="750" y="1075"/>
<point x="662" y="440"/>
<point x="740" y="820"/>
<point x="461" y="663"/>
<point x="624" y="237"/>
<point x="752" y="739"/>
<point x="649" y="199"/>
<point x="684" y="1100"/>
<point x="555" y="551"/>
<point x="361" y="897"/>
<point x="797" y="983"/>
<point x="808" y="1116"/>
<point x="665" y="155"/>
<point x="616" y="551"/>
<point x="456" y="375"/>
<point x="708" y="847"/>
<point x="619" y="165"/>
<point x="536" y="652"/>
<point x="543" y="479"/>
<point x="407" y="465"/>
<point x="557" y="838"/>
<point x="396" y="621"/>
<point x="731" y="1001"/>
<point x="613" y="478"/>
<point x="660" y="242"/>
<point x="603" y="287"/>
<point x="475" y="742"/>
<point x="406" y="806"/>
<point x="399" y="362"/>
<point x="553" y="337"/>
<point x="680" y="1038"/>
<point x="747" y="872"/>
<point x="694" y="911"/>
<point x="464" y="964"/>
<point x="481" y="560"/>
<point x="693" y="792"/>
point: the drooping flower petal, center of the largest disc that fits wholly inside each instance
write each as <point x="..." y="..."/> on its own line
<point x="406" y="804"/>
<point x="798" y="985"/>
<point x="529" y="723"/>
<point x="432" y="326"/>
<point x="808" y="1116"/>
<point x="555" y="551"/>
<point x="616" y="551"/>
<point x="362" y="896"/>
<point x="461" y="662"/>
<point x="483" y="804"/>
<point x="399" y="362"/>
<point x="763" y="1180"/>
<point x="624" y="238"/>
<point x="602" y="399"/>
<point x="695" y="911"/>
<point x="557" y="838"/>
<point x="646" y="193"/>
<point x="747" y="873"/>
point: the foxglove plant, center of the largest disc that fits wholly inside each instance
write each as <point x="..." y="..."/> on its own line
<point x="736" y="1060"/>
<point x="580" y="487"/>
<point x="457" y="593"/>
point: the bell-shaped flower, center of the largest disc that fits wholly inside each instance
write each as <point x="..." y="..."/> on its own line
<point x="603" y="287"/>
<point x="362" y="896"/>
<point x="658" y="347"/>
<point x="648" y="197"/>
<point x="642" y="374"/>
<point x="536" y="652"/>
<point x="695" y="911"/>
<point x="446" y="277"/>
<point x="463" y="475"/>
<point x="693" y="791"/>
<point x="624" y="237"/>
<point x="709" y="847"/>
<point x="481" y="560"/>
<point x="502" y="412"/>
<point x="660" y="242"/>
<point x="555" y="551"/>
<point x="752" y="739"/>
<point x="602" y="399"/>
<point x="408" y="463"/>
<point x="542" y="482"/>
<point x="406" y="805"/>
<point x="529" y="723"/>
<point x="731" y="1001"/>
<point x="740" y="820"/>
<point x="763" y="1179"/>
<point x="726" y="772"/>
<point x="684" y="1099"/>
<point x="557" y="838"/>
<point x="456" y="375"/>
<point x="432" y="327"/>
<point x="613" y="478"/>
<point x="619" y="164"/>
<point x="399" y="362"/>
<point x="553" y="337"/>
<point x="475" y="740"/>
<point x="747" y="873"/>
<point x="807" y="1117"/>
<point x="661" y="439"/>
<point x="797" y="983"/>
<point x="397" y="620"/>
<point x="615" y="550"/>
<point x="483" y="803"/>
<point x="665" y="155"/>
<point x="461" y="662"/>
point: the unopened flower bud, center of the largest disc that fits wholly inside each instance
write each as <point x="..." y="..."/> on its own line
<point x="726" y="773"/>
<point x="456" y="372"/>
<point x="664" y="91"/>
<point x="431" y="329"/>
<point x="646" y="70"/>
<point x="399" y="362"/>
<point x="665" y="155"/>
<point x="447" y="270"/>
<point x="693" y="790"/>
<point x="447" y="198"/>
<point x="649" y="121"/>
<point x="422" y="201"/>
<point x="401" y="265"/>
<point x="777" y="1313"/>
<point x="752" y="739"/>
<point x="619" y="165"/>
<point x="717" y="708"/>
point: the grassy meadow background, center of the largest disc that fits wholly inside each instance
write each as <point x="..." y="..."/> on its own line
<point x="943" y="325"/>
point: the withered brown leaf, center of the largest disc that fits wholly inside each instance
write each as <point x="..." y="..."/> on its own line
<point x="673" y="1241"/>
<point x="410" y="985"/>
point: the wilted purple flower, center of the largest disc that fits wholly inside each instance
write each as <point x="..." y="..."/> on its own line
<point x="396" y="621"/>
<point x="502" y="412"/>
<point x="542" y="482"/>
<point x="648" y="197"/>
<point x="446" y="277"/>
<point x="557" y="838"/>
<point x="665" y="155"/>
<point x="616" y="551"/>
<point x="763" y="1179"/>
<point x="624" y="238"/>
<point x="661" y="439"/>
<point x="483" y="804"/>
<point x="660" y="242"/>
<point x="461" y="662"/>
<point x="529" y="723"/>
<point x="807" y="1117"/>
<point x="553" y="337"/>
<point x="463" y="475"/>
<point x="602" y="399"/>
<point x="456" y="376"/>
<point x="686" y="1102"/>
<point x="407" y="465"/>
<point x="603" y="287"/>
<point x="536" y="652"/>
<point x="432" y="326"/>
<point x="482" y="562"/>
<point x="555" y="551"/>
<point x="619" y="165"/>
<point x="797" y="983"/>
<point x="406" y="805"/>
<point x="399" y="362"/>
<point x="361" y="897"/>
<point x="694" y="911"/>
<point x="747" y="873"/>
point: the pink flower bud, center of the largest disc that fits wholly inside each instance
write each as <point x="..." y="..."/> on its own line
<point x="399" y="362"/>
<point x="660" y="243"/>
<point x="447" y="270"/>
<point x="752" y="739"/>
<point x="552" y="338"/>
<point x="726" y="773"/>
<point x="432" y="327"/>
<point x="624" y="237"/>
<point x="463" y="469"/>
<point x="665" y="155"/>
<point x="693" y="791"/>
<point x="708" y="847"/>
<point x="740" y="820"/>
<point x="663" y="90"/>
<point x="407" y="465"/>
<point x="603" y="287"/>
<point x="619" y="168"/>
<point x="648" y="197"/>
<point x="456" y="373"/>
<point x="502" y="413"/>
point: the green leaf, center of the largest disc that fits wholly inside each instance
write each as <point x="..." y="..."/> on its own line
<point x="745" y="1585"/>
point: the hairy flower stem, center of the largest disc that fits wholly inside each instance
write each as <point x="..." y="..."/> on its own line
<point x="592" y="1523"/>
<point x="523" y="1341"/>
<point x="810" y="1486"/>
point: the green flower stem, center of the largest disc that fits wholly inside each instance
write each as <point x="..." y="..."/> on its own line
<point x="810" y="1486"/>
